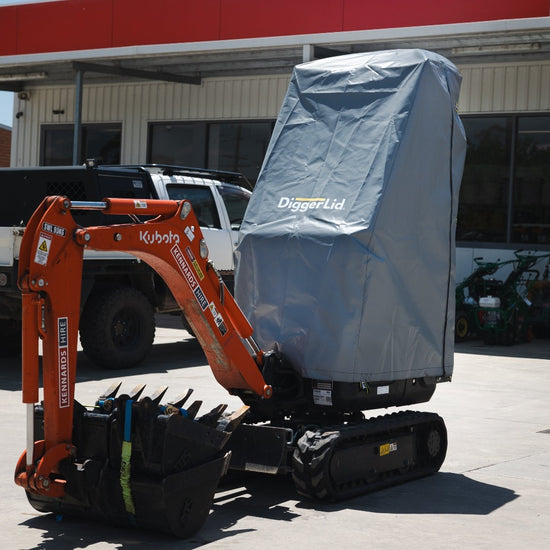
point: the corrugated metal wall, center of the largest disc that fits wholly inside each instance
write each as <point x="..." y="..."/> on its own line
<point x="502" y="88"/>
<point x="496" y="88"/>
<point x="135" y="105"/>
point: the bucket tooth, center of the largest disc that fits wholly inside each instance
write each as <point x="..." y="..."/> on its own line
<point x="193" y="409"/>
<point x="211" y="418"/>
<point x="230" y="423"/>
<point x="136" y="392"/>
<point x="158" y="395"/>
<point x="181" y="399"/>
<point x="111" y="391"/>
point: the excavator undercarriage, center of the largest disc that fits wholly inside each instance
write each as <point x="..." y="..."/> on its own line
<point x="136" y="460"/>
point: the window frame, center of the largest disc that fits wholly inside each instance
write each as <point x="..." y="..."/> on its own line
<point x="508" y="244"/>
<point x="206" y="124"/>
<point x="84" y="127"/>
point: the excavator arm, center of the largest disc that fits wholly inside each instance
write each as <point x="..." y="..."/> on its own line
<point x="50" y="273"/>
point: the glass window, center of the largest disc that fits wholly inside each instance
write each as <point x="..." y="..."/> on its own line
<point x="238" y="146"/>
<point x="234" y="146"/>
<point x="531" y="195"/>
<point x="179" y="144"/>
<point x="99" y="141"/>
<point x="202" y="201"/>
<point x="235" y="203"/>
<point x="483" y="203"/>
<point x="57" y="146"/>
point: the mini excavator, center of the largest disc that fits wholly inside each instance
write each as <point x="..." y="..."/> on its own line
<point x="346" y="280"/>
<point x="132" y="460"/>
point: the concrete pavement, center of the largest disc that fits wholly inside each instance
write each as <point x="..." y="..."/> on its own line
<point x="493" y="490"/>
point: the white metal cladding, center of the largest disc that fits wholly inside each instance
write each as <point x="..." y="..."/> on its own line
<point x="494" y="88"/>
<point x="501" y="88"/>
<point x="136" y="104"/>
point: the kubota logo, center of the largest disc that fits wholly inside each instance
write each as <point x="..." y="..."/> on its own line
<point x="303" y="204"/>
<point x="155" y="237"/>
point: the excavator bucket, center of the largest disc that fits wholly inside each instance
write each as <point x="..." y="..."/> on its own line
<point x="142" y="464"/>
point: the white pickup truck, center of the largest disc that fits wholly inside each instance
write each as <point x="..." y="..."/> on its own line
<point x="120" y="294"/>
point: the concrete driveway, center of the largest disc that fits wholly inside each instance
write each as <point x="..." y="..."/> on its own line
<point x="493" y="490"/>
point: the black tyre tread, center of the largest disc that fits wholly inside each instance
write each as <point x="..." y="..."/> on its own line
<point x="10" y="338"/>
<point x="96" y="322"/>
<point x="314" y="451"/>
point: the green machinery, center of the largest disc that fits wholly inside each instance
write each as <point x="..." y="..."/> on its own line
<point x="500" y="311"/>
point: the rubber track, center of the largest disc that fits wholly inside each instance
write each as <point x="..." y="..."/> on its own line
<point x="315" y="450"/>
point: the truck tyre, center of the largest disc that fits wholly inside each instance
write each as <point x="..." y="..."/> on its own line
<point x="10" y="337"/>
<point x="117" y="327"/>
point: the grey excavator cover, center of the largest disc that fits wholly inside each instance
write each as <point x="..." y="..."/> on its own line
<point x="347" y="255"/>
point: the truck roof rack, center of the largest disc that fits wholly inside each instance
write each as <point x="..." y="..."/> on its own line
<point x="173" y="170"/>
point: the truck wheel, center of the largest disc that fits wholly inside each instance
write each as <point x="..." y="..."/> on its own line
<point x="10" y="337"/>
<point x="117" y="327"/>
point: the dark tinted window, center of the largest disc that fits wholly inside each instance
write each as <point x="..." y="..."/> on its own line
<point x="235" y="146"/>
<point x="505" y="192"/>
<point x="483" y="205"/>
<point x="182" y="144"/>
<point x="202" y="201"/>
<point x="531" y="196"/>
<point x="98" y="141"/>
<point x="235" y="203"/>
<point x="238" y="147"/>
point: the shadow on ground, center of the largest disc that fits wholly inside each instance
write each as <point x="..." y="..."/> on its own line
<point x="163" y="357"/>
<point x="273" y="498"/>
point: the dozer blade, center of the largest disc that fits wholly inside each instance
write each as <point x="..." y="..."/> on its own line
<point x="137" y="466"/>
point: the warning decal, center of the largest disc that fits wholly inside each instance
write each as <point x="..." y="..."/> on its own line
<point x="189" y="277"/>
<point x="322" y="393"/>
<point x="43" y="249"/>
<point x="388" y="448"/>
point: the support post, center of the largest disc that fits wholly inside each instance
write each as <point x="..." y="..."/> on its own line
<point x="77" y="133"/>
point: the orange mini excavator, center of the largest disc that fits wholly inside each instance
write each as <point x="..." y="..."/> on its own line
<point x="345" y="277"/>
<point x="136" y="461"/>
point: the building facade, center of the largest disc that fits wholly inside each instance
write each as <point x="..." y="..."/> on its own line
<point x="5" y="145"/>
<point x="201" y="83"/>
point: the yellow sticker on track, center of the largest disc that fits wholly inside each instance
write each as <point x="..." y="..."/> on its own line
<point x="387" y="448"/>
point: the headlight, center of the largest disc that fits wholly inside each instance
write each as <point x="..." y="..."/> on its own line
<point x="203" y="249"/>
<point x="185" y="209"/>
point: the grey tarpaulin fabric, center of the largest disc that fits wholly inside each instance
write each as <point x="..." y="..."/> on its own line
<point x="347" y="254"/>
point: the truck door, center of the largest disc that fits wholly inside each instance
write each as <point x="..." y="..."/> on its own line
<point x="217" y="237"/>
